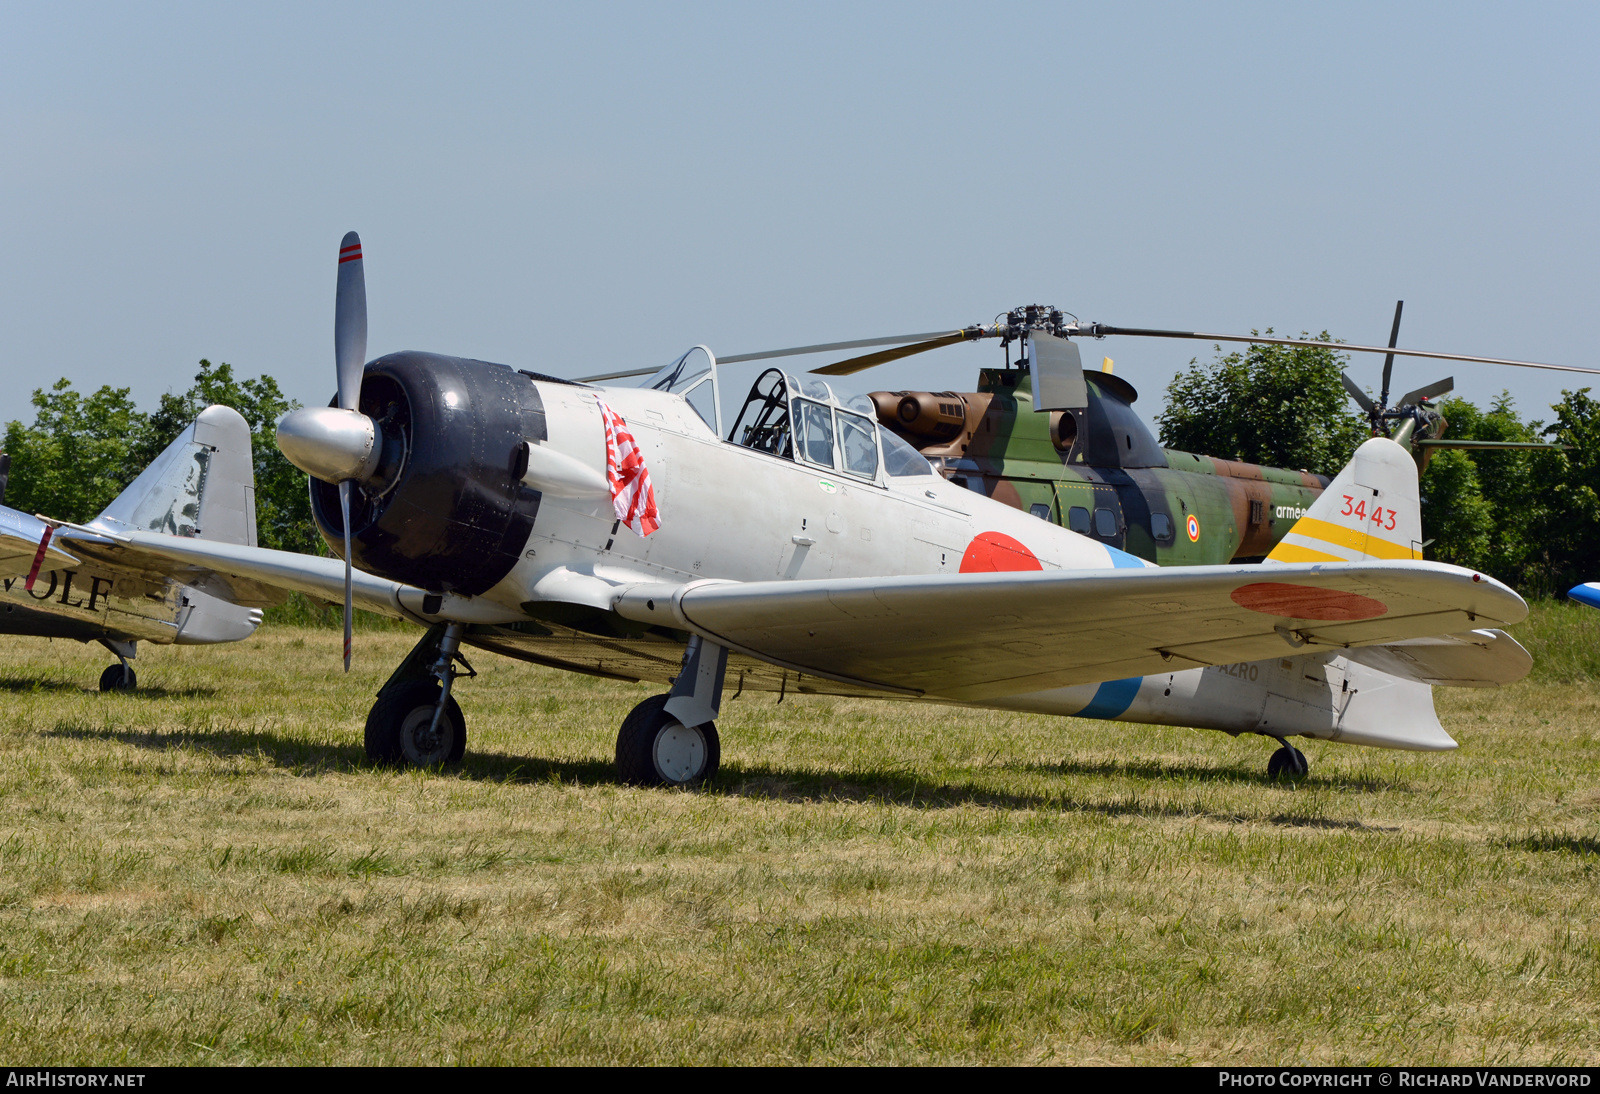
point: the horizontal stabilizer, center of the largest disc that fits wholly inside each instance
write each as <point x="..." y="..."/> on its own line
<point x="1473" y="659"/>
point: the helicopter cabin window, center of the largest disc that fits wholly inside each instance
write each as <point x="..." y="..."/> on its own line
<point x="763" y="422"/>
<point x="814" y="430"/>
<point x="1078" y="520"/>
<point x="901" y="460"/>
<point x="1105" y="523"/>
<point x="858" y="444"/>
<point x="1161" y="527"/>
<point x="1040" y="510"/>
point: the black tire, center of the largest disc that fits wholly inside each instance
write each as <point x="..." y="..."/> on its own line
<point x="1287" y="763"/>
<point x="398" y="723"/>
<point x="118" y="678"/>
<point x="655" y="749"/>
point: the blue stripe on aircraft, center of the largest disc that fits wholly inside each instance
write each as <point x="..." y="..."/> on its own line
<point x="1122" y="560"/>
<point x="1112" y="698"/>
<point x="1587" y="593"/>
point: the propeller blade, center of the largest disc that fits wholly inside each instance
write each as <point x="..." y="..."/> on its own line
<point x="350" y="322"/>
<point x="1438" y="387"/>
<point x="1357" y="394"/>
<point x="1100" y="330"/>
<point x="1388" y="359"/>
<point x="859" y="343"/>
<point x="349" y="595"/>
<point x="883" y="357"/>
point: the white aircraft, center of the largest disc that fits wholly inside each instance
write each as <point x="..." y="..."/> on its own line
<point x="793" y="546"/>
<point x="66" y="581"/>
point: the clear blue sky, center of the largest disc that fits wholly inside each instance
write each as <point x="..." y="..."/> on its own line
<point x="578" y="187"/>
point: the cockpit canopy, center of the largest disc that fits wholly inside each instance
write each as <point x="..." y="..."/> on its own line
<point x="803" y="420"/>
<point x="792" y="418"/>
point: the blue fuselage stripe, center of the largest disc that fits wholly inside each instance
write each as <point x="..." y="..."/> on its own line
<point x="1112" y="698"/>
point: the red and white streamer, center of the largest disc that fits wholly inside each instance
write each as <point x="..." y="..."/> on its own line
<point x="633" y="498"/>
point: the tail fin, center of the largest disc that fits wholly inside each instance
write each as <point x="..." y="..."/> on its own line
<point x="203" y="485"/>
<point x="1370" y="512"/>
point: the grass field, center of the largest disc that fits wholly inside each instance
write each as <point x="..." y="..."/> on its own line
<point x="209" y="872"/>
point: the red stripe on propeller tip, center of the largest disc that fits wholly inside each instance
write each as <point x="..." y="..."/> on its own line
<point x="343" y="258"/>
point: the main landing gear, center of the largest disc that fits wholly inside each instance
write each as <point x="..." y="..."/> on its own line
<point x="1287" y="763"/>
<point x="671" y="740"/>
<point x="416" y="721"/>
<point x="667" y="740"/>
<point x="119" y="677"/>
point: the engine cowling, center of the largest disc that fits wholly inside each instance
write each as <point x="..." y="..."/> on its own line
<point x="445" y="509"/>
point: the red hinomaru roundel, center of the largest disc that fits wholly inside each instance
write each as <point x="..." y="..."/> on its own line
<point x="1306" y="602"/>
<point x="996" y="552"/>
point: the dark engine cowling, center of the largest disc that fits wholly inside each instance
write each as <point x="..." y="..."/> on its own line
<point x="446" y="510"/>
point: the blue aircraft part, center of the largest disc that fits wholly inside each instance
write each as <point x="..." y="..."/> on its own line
<point x="1112" y="698"/>
<point x="1122" y="560"/>
<point x="1587" y="593"/>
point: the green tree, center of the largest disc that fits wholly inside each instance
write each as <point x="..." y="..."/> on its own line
<point x="79" y="453"/>
<point x="1278" y="405"/>
<point x="76" y="456"/>
<point x="1568" y="487"/>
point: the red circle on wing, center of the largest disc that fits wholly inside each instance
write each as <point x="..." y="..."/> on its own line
<point x="1306" y="602"/>
<point x="996" y="552"/>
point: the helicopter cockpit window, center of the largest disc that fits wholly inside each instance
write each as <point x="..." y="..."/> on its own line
<point x="694" y="376"/>
<point x="814" y="429"/>
<point x="763" y="422"/>
<point x="900" y="459"/>
<point x="858" y="445"/>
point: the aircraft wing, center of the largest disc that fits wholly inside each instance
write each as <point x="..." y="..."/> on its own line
<point x="246" y="575"/>
<point x="19" y="544"/>
<point x="972" y="637"/>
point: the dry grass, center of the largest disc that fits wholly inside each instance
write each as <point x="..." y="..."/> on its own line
<point x="210" y="872"/>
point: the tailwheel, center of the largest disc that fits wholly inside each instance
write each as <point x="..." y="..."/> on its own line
<point x="655" y="749"/>
<point x="407" y="726"/>
<point x="119" y="678"/>
<point x="1287" y="763"/>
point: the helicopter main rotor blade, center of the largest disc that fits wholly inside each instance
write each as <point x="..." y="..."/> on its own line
<point x="1388" y="358"/>
<point x="882" y="357"/>
<point x="1357" y="394"/>
<point x="1438" y="387"/>
<point x="917" y="344"/>
<point x="829" y="347"/>
<point x="1100" y="330"/>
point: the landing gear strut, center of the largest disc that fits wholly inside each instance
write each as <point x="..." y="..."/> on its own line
<point x="119" y="677"/>
<point x="1288" y="762"/>
<point x="671" y="740"/>
<point x="416" y="721"/>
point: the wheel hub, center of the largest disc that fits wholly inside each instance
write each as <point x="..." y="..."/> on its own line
<point x="423" y="745"/>
<point x="679" y="753"/>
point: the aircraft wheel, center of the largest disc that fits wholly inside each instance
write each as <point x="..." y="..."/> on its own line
<point x="118" y="678"/>
<point x="655" y="749"/>
<point x="1288" y="762"/>
<point x="398" y="727"/>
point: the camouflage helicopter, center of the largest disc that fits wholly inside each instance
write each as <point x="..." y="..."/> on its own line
<point x="1063" y="442"/>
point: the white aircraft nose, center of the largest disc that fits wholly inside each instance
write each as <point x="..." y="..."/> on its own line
<point x="330" y="444"/>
